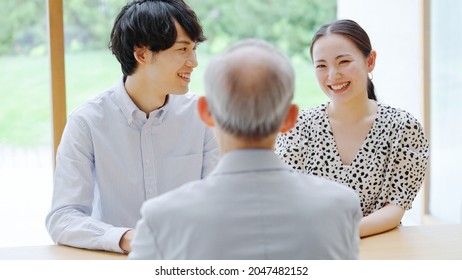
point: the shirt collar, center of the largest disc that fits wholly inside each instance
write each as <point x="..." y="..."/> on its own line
<point x="126" y="104"/>
<point x="249" y="160"/>
<point x="160" y="113"/>
<point x="129" y="108"/>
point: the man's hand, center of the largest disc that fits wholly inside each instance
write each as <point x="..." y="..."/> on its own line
<point x="126" y="239"/>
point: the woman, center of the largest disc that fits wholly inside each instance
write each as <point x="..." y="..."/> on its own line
<point x="379" y="151"/>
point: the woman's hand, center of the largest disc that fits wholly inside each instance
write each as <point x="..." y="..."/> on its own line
<point x="382" y="220"/>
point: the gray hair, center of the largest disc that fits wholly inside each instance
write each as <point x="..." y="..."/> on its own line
<point x="249" y="89"/>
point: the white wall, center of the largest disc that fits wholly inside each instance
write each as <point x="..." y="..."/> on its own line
<point x="394" y="29"/>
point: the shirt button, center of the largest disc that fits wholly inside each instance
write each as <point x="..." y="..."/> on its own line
<point x="148" y="161"/>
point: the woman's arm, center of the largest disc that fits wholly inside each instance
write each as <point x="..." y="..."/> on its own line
<point x="381" y="220"/>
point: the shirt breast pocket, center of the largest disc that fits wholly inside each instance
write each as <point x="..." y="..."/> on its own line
<point x="177" y="171"/>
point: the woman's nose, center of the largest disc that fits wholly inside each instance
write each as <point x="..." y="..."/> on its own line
<point x="334" y="74"/>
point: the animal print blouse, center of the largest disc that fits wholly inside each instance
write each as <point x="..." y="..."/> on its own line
<point x="388" y="168"/>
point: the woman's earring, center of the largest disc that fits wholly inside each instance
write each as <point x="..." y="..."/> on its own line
<point x="370" y="76"/>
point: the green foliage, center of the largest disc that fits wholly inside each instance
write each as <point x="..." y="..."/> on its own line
<point x="87" y="23"/>
<point x="288" y="24"/>
<point x="23" y="26"/>
<point x="25" y="99"/>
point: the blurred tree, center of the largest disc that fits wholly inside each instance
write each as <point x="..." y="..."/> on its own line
<point x="88" y="23"/>
<point x="288" y="24"/>
<point x="23" y="26"/>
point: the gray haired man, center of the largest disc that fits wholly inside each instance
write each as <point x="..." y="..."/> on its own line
<point x="252" y="206"/>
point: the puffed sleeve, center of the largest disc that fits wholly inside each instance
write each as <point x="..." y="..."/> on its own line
<point x="290" y="146"/>
<point x="408" y="161"/>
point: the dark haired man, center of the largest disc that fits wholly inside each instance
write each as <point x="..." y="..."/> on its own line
<point x="136" y="140"/>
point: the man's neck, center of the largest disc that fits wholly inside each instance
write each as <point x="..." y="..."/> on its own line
<point x="144" y="95"/>
<point x="230" y="143"/>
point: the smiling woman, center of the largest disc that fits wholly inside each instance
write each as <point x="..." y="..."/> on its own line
<point x="379" y="151"/>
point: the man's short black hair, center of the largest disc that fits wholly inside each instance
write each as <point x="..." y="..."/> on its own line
<point x="151" y="23"/>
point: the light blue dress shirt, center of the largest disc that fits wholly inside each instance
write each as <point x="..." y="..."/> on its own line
<point x="252" y="206"/>
<point x="112" y="158"/>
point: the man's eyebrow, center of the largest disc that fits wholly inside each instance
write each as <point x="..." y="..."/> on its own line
<point x="184" y="42"/>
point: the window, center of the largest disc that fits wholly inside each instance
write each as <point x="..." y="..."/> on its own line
<point x="25" y="130"/>
<point x="446" y="101"/>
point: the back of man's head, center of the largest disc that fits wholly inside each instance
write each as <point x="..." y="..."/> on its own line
<point x="249" y="89"/>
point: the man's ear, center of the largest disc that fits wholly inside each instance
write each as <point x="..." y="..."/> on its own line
<point x="290" y="120"/>
<point x="142" y="55"/>
<point x="204" y="113"/>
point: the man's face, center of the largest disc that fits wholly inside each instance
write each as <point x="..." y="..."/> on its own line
<point x="170" y="70"/>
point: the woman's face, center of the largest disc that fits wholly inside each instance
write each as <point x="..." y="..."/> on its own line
<point x="341" y="69"/>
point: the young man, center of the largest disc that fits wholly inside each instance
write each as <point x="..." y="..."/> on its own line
<point x="252" y="206"/>
<point x="137" y="140"/>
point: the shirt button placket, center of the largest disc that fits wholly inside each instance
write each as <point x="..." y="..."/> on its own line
<point x="148" y="168"/>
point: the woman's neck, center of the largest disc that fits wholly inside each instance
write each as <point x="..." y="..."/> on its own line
<point x="353" y="111"/>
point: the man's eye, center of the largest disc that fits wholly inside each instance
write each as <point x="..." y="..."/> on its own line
<point x="344" y="61"/>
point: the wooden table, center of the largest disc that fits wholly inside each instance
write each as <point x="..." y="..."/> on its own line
<point x="424" y="242"/>
<point x="431" y="242"/>
<point x="56" y="252"/>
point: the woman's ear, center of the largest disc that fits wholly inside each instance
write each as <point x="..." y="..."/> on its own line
<point x="204" y="113"/>
<point x="290" y="120"/>
<point x="371" y="61"/>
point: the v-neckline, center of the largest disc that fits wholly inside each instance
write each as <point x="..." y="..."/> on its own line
<point x="366" y="141"/>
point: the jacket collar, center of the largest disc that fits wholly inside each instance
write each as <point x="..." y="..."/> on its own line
<point x="249" y="160"/>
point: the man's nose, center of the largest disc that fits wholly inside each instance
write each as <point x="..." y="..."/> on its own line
<point x="192" y="60"/>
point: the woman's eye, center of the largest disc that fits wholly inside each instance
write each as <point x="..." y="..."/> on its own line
<point x="320" y="66"/>
<point x="344" y="61"/>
